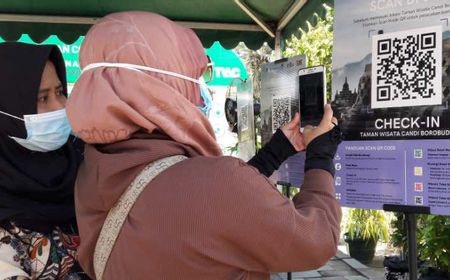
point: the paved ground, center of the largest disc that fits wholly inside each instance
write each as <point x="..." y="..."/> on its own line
<point x="340" y="267"/>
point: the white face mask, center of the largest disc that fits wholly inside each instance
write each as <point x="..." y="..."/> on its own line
<point x="45" y="132"/>
<point x="207" y="100"/>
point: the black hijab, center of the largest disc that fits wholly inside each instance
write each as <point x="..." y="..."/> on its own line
<point x="36" y="189"/>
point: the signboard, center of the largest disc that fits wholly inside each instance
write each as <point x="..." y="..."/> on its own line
<point x="391" y="94"/>
<point x="226" y="65"/>
<point x="279" y="102"/>
<point x="228" y="70"/>
<point x="246" y="120"/>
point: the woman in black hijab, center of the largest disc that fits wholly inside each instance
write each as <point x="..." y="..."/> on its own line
<point x="38" y="166"/>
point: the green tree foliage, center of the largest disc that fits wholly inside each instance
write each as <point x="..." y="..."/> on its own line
<point x="433" y="239"/>
<point x="253" y="60"/>
<point x="367" y="224"/>
<point x="316" y="43"/>
<point x="398" y="234"/>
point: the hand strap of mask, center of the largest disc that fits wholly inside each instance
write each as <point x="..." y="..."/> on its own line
<point x="12" y="116"/>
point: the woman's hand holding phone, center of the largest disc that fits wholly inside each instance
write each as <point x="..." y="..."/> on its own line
<point x="326" y="124"/>
<point x="300" y="140"/>
<point x="292" y="132"/>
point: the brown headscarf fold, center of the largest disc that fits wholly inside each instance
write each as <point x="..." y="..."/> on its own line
<point x="108" y="105"/>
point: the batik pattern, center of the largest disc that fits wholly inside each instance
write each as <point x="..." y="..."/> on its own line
<point x="34" y="255"/>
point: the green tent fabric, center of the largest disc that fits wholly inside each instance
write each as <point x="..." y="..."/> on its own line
<point x="227" y="65"/>
<point x="202" y="11"/>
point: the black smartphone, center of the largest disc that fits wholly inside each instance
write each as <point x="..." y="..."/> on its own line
<point x="312" y="90"/>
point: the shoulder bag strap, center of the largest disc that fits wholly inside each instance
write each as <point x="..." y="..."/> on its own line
<point x="117" y="215"/>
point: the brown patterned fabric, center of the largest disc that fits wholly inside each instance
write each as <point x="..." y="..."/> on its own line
<point x="29" y="255"/>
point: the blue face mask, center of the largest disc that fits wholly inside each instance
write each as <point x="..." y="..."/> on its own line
<point x="45" y="132"/>
<point x="206" y="97"/>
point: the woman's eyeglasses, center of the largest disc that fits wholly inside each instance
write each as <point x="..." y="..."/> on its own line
<point x="208" y="74"/>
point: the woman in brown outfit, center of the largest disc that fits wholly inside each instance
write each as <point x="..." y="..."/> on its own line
<point x="206" y="216"/>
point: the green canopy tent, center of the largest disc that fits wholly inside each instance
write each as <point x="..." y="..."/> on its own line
<point x="228" y="21"/>
<point x="227" y="65"/>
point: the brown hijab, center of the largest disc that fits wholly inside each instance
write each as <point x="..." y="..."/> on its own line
<point x="108" y="104"/>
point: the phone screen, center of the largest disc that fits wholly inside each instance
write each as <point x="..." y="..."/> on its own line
<point x="312" y="101"/>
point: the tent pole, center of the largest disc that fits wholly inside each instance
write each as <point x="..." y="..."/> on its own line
<point x="290" y="13"/>
<point x="92" y="20"/>
<point x="278" y="53"/>
<point x="255" y="17"/>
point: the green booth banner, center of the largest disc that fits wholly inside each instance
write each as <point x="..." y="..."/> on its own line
<point x="227" y="65"/>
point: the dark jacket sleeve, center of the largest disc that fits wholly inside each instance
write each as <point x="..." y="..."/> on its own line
<point x="320" y="152"/>
<point x="78" y="146"/>
<point x="270" y="157"/>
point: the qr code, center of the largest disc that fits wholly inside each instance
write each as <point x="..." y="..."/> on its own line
<point x="418" y="171"/>
<point x="418" y="187"/>
<point x="407" y="68"/>
<point x="418" y="153"/>
<point x="243" y="118"/>
<point x="418" y="200"/>
<point x="281" y="112"/>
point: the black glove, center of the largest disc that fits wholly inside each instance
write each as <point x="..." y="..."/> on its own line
<point x="272" y="155"/>
<point x="320" y="152"/>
